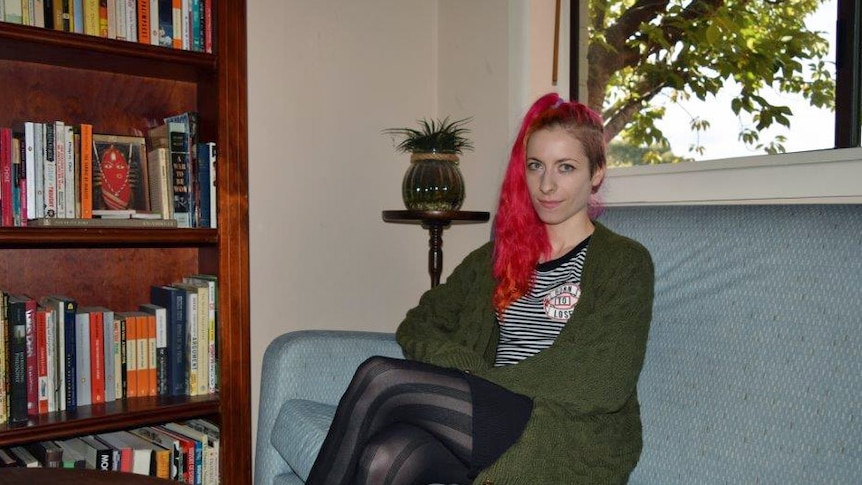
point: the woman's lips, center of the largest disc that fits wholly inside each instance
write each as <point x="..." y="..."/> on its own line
<point x="549" y="204"/>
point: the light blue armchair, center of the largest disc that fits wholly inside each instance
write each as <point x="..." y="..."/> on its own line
<point x="753" y="371"/>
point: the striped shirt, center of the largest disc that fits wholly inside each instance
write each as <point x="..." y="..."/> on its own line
<point x="531" y="323"/>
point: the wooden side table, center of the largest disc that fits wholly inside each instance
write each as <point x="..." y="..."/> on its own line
<point x="435" y="222"/>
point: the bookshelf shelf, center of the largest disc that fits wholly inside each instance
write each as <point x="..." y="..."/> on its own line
<point x="25" y="237"/>
<point x="119" y="88"/>
<point x="129" y="413"/>
<point x="45" y="46"/>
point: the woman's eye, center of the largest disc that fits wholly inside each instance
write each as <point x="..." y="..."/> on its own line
<point x="534" y="166"/>
<point x="566" y="167"/>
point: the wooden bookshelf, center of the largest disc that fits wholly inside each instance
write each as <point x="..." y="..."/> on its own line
<point x="117" y="86"/>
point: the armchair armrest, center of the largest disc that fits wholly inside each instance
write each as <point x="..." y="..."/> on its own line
<point x="316" y="365"/>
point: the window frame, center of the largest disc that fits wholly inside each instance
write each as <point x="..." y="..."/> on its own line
<point x="819" y="176"/>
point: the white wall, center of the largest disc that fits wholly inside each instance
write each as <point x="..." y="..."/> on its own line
<point x="325" y="77"/>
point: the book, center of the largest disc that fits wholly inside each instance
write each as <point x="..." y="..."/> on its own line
<point x="146" y="354"/>
<point x="6" y="177"/>
<point x="161" y="346"/>
<point x="48" y="453"/>
<point x="208" y="199"/>
<point x="114" y="441"/>
<point x="24" y="458"/>
<point x="161" y="186"/>
<point x="150" y="458"/>
<point x="166" y="23"/>
<point x="91" y="17"/>
<point x="86" y="170"/>
<point x="60" y="164"/>
<point x="130" y="324"/>
<point x="74" y="453"/>
<point x="196" y="340"/>
<point x="105" y="222"/>
<point x="107" y="352"/>
<point x="96" y="353"/>
<point x="181" y="169"/>
<point x="17" y="325"/>
<point x="211" y="282"/>
<point x="100" y="456"/>
<point x="192" y="452"/>
<point x="202" y="447"/>
<point x="65" y="309"/>
<point x="173" y="300"/>
<point x="143" y="21"/>
<point x="43" y="386"/>
<point x="168" y="442"/>
<point x="29" y="166"/>
<point x="84" y="389"/>
<point x="32" y="355"/>
<point x="5" y="381"/>
<point x="49" y="169"/>
<point x="6" y="459"/>
<point x="213" y="433"/>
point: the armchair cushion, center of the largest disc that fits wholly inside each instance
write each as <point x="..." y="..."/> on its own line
<point x="299" y="431"/>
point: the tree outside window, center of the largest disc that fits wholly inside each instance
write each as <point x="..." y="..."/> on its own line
<point x="670" y="75"/>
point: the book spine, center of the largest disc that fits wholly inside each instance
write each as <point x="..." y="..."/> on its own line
<point x="177" y="21"/>
<point x="41" y="362"/>
<point x="108" y="352"/>
<point x="6" y="379"/>
<point x="20" y="178"/>
<point x="60" y="164"/>
<point x="32" y="360"/>
<point x="70" y="364"/>
<point x="124" y="357"/>
<point x="83" y="390"/>
<point x="152" y="362"/>
<point x="162" y="353"/>
<point x="51" y="344"/>
<point x="91" y="17"/>
<point x="195" y="26"/>
<point x="154" y="22"/>
<point x="181" y="169"/>
<point x="17" y="321"/>
<point x="76" y="8"/>
<point x="166" y="23"/>
<point x="29" y="166"/>
<point x="39" y="13"/>
<point x="6" y="212"/>
<point x="143" y="17"/>
<point x="106" y="19"/>
<point x="119" y="343"/>
<point x="97" y="358"/>
<point x="204" y="175"/>
<point x="132" y="356"/>
<point x="70" y="192"/>
<point x="50" y="172"/>
<point x="86" y="171"/>
<point x="143" y="354"/>
<point x="185" y="6"/>
<point x="208" y="26"/>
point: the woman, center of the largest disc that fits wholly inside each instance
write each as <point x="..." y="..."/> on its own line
<point x="522" y="368"/>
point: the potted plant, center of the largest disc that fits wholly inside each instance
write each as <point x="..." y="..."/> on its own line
<point x="433" y="181"/>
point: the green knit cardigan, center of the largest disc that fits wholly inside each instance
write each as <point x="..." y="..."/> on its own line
<point x="585" y="425"/>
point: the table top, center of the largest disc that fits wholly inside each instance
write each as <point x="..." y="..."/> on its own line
<point x="74" y="476"/>
<point x="416" y="216"/>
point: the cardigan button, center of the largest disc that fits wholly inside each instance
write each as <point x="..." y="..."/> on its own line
<point x="488" y="482"/>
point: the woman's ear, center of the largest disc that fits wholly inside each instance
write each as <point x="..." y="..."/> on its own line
<point x="597" y="178"/>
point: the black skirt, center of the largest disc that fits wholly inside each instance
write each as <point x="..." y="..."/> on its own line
<point x="499" y="418"/>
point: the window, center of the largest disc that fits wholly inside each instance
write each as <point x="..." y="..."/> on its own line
<point x="684" y="80"/>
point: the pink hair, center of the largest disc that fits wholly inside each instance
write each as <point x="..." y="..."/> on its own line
<point x="520" y="237"/>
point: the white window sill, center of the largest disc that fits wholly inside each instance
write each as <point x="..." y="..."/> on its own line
<point x="823" y="176"/>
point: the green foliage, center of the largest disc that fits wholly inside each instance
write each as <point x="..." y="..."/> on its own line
<point x="434" y="135"/>
<point x="680" y="48"/>
<point x="621" y="154"/>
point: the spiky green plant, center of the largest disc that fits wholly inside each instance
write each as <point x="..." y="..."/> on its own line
<point x="434" y="135"/>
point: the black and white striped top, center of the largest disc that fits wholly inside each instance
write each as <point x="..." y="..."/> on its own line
<point x="532" y="322"/>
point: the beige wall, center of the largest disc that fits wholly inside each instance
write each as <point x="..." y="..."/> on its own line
<point x="325" y="77"/>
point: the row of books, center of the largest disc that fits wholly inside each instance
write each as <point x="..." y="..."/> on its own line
<point x="58" y="355"/>
<point x="179" y="24"/>
<point x="186" y="452"/>
<point x="53" y="171"/>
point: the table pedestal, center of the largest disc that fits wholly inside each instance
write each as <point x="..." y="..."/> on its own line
<point x="435" y="222"/>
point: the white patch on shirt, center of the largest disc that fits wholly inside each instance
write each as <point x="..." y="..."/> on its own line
<point x="560" y="301"/>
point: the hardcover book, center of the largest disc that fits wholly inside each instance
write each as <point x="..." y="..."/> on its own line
<point x="65" y="309"/>
<point x="173" y="300"/>
<point x="17" y="320"/>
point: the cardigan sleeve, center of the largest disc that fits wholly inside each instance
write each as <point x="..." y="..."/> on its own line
<point x="594" y="364"/>
<point x="439" y="329"/>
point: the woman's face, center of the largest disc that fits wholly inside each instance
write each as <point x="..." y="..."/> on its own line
<point x="558" y="177"/>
